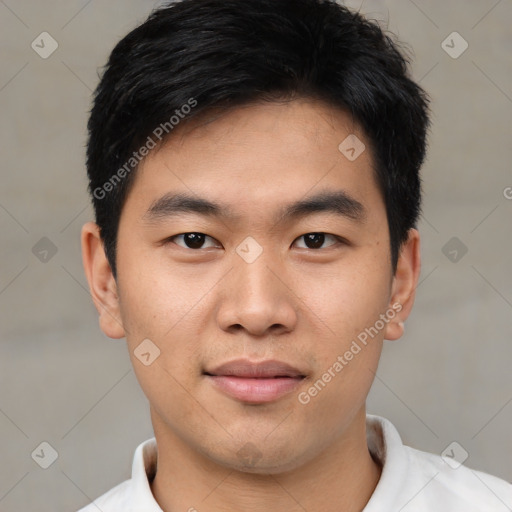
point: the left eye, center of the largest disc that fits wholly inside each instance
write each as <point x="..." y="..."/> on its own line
<point x="193" y="240"/>
<point x="316" y="240"/>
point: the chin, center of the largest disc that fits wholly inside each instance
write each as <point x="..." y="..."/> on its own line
<point x="271" y="460"/>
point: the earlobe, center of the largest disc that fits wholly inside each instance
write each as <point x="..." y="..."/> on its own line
<point x="404" y="285"/>
<point x="102" y="284"/>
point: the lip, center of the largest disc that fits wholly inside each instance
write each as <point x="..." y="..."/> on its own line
<point x="255" y="382"/>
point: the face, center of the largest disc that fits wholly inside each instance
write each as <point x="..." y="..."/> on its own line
<point x="257" y="291"/>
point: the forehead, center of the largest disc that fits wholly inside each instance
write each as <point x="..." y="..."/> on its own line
<point x="260" y="157"/>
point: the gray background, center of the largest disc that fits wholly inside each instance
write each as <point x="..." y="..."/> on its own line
<point x="62" y="381"/>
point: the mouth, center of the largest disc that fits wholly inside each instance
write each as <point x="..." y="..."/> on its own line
<point x="255" y="383"/>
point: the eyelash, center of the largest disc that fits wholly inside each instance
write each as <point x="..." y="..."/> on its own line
<point x="338" y="239"/>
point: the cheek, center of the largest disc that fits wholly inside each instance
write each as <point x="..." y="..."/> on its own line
<point x="349" y="303"/>
<point x="346" y="368"/>
<point x="346" y="300"/>
<point x="156" y="296"/>
<point x="168" y="306"/>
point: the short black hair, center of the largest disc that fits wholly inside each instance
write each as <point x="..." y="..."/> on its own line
<point x="193" y="56"/>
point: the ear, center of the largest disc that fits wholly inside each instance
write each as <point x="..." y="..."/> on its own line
<point x="405" y="281"/>
<point x="102" y="284"/>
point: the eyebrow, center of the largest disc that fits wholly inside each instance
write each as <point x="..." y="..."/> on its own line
<point x="336" y="202"/>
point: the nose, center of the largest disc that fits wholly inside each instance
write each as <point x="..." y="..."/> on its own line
<point x="257" y="298"/>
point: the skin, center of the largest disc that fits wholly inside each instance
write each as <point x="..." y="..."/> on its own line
<point x="203" y="307"/>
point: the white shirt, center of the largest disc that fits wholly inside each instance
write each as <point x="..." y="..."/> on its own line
<point x="411" y="480"/>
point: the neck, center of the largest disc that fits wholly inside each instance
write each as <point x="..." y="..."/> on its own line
<point x="341" y="477"/>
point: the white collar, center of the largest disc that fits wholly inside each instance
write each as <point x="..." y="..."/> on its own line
<point x="411" y="480"/>
<point x="143" y="471"/>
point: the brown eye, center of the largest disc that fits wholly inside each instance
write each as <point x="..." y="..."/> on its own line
<point x="193" y="240"/>
<point x="316" y="240"/>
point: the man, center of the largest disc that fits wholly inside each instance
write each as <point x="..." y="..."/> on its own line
<point x="254" y="169"/>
